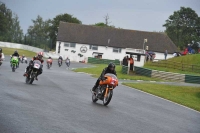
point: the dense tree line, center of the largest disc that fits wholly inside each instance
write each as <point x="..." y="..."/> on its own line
<point x="10" y="30"/>
<point x="183" y="27"/>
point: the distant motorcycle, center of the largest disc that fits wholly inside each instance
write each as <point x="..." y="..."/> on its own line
<point x="1" y="61"/>
<point x="32" y="73"/>
<point x="59" y="62"/>
<point x="24" y="60"/>
<point x="14" y="63"/>
<point x="49" y="63"/>
<point x="104" y="91"/>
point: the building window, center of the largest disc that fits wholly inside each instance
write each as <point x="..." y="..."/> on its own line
<point x="117" y="50"/>
<point x="73" y="45"/>
<point x="92" y="47"/>
<point x="66" y="49"/>
<point x="66" y="44"/>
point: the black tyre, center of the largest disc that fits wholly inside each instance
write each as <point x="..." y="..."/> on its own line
<point x="27" y="80"/>
<point x="31" y="81"/>
<point x="13" y="68"/>
<point x="94" y="99"/>
<point x="107" y="99"/>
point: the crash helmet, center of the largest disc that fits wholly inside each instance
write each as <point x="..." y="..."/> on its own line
<point x="15" y="52"/>
<point x="111" y="66"/>
<point x="40" y="55"/>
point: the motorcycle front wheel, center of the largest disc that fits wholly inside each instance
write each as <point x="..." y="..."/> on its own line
<point x="106" y="100"/>
<point x="94" y="99"/>
<point x="29" y="80"/>
<point x="13" y="68"/>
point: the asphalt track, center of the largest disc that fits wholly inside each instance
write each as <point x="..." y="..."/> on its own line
<point x="60" y="102"/>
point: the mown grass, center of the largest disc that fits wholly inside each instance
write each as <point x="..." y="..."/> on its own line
<point x="188" y="59"/>
<point x="10" y="51"/>
<point x="184" y="95"/>
<point x="96" y="71"/>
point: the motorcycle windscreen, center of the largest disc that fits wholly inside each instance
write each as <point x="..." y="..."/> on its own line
<point x="111" y="75"/>
<point x="37" y="64"/>
<point x="113" y="81"/>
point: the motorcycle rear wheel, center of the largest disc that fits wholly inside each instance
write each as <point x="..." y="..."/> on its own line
<point x="106" y="100"/>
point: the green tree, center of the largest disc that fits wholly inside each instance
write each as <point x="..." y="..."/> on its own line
<point x="38" y="33"/>
<point x="16" y="31"/>
<point x="100" y="24"/>
<point x="182" y="27"/>
<point x="53" y="29"/>
<point x="10" y="29"/>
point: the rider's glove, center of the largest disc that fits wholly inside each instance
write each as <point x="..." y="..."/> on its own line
<point x="103" y="78"/>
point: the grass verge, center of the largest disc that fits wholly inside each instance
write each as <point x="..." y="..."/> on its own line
<point x="10" y="51"/>
<point x="184" y="95"/>
<point x="96" y="71"/>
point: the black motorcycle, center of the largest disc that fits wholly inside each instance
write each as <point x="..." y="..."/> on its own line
<point x="32" y="73"/>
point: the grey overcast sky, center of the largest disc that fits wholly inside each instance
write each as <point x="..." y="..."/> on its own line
<point x="145" y="15"/>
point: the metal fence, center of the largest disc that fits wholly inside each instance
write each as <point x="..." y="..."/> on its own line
<point x="125" y="69"/>
<point x="102" y="61"/>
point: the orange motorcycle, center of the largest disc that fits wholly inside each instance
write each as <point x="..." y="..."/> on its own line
<point x="104" y="91"/>
<point x="49" y="63"/>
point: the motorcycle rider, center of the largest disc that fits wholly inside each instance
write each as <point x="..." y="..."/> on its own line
<point x="51" y="61"/>
<point x="17" y="55"/>
<point x="109" y="69"/>
<point x="23" y="57"/>
<point x="38" y="57"/>
<point x="60" y="57"/>
<point x="67" y="61"/>
<point x="0" y="56"/>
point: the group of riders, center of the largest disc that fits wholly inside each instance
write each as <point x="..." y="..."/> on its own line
<point x="109" y="69"/>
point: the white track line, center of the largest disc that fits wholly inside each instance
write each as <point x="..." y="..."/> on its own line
<point x="162" y="98"/>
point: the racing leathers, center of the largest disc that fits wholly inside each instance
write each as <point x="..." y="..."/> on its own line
<point x="105" y="70"/>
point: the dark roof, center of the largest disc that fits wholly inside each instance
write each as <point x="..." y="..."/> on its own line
<point x="95" y="35"/>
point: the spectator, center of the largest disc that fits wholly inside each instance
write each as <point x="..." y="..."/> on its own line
<point x="165" y="54"/>
<point x="124" y="61"/>
<point x="131" y="63"/>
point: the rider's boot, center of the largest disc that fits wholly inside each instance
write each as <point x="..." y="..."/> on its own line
<point x="25" y="74"/>
<point x="36" y="78"/>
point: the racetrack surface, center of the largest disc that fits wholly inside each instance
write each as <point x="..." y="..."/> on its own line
<point x="60" y="102"/>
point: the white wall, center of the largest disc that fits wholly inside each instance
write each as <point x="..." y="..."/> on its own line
<point x="20" y="46"/>
<point x="161" y="56"/>
<point x="107" y="53"/>
<point x="26" y="47"/>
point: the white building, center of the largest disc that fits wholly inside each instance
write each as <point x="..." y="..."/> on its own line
<point x="74" y="40"/>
